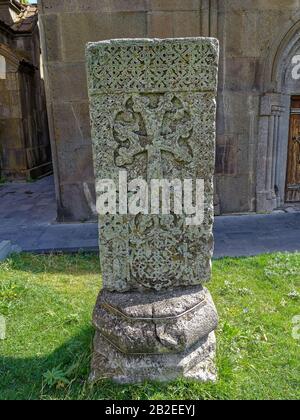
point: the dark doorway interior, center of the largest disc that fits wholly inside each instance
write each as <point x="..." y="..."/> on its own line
<point x="293" y="164"/>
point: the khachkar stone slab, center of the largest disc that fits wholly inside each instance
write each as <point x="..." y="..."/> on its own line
<point x="153" y="116"/>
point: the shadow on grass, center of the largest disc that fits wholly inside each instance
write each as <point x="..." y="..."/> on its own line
<point x="79" y="264"/>
<point x="24" y="378"/>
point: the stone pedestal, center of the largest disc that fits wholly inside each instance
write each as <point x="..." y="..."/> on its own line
<point x="153" y="116"/>
<point x="155" y="336"/>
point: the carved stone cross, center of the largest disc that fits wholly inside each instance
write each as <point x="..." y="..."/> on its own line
<point x="154" y="124"/>
<point x="153" y="114"/>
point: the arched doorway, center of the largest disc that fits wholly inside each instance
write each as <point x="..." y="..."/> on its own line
<point x="277" y="164"/>
<point x="293" y="161"/>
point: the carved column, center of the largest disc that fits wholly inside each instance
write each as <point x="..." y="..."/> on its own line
<point x="272" y="151"/>
<point x="153" y="116"/>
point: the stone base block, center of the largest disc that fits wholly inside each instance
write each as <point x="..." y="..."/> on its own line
<point x="155" y="335"/>
<point x="266" y="202"/>
<point x="197" y="363"/>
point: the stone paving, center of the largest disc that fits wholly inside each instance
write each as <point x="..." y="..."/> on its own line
<point x="250" y="235"/>
<point x="28" y="212"/>
<point x="27" y="219"/>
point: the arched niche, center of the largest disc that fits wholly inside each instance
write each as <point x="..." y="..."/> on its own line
<point x="278" y="86"/>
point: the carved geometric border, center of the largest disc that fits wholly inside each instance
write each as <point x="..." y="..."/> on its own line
<point x="145" y="65"/>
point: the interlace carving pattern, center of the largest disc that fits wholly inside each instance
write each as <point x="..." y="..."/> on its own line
<point x="153" y="124"/>
<point x="154" y="66"/>
<point x="153" y="114"/>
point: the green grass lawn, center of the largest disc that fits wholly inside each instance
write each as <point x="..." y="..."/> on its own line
<point x="48" y="301"/>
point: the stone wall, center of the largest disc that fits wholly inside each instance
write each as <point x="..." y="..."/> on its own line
<point x="251" y="34"/>
<point x="67" y="27"/>
<point x="25" y="145"/>
<point x="248" y="30"/>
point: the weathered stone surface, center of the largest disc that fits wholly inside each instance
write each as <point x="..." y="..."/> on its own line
<point x="196" y="363"/>
<point x="160" y="99"/>
<point x="155" y="323"/>
<point x="153" y="115"/>
<point x="177" y="24"/>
